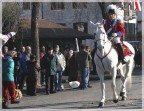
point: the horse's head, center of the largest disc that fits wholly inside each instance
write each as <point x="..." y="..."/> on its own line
<point x="100" y="35"/>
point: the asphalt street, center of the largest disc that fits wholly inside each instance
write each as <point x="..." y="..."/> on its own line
<point x="74" y="99"/>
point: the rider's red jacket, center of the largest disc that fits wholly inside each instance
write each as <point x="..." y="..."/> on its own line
<point x="117" y="27"/>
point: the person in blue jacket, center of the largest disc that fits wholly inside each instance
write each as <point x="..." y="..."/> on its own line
<point x="8" y="79"/>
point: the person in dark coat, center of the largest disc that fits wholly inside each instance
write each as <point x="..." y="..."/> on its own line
<point x="42" y="53"/>
<point x="83" y="59"/>
<point x="16" y="59"/>
<point x="33" y="70"/>
<point x="71" y="65"/>
<point x="50" y="62"/>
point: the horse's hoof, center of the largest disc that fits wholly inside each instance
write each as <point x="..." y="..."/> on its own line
<point x="123" y="98"/>
<point x="115" y="101"/>
<point x="122" y="93"/>
<point x="101" y="105"/>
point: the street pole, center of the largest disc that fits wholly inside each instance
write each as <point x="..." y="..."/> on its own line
<point x="77" y="46"/>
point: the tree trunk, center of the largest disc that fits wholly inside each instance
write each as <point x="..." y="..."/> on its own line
<point x="35" y="32"/>
<point x="103" y="9"/>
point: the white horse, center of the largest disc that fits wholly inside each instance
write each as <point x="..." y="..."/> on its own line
<point x="106" y="60"/>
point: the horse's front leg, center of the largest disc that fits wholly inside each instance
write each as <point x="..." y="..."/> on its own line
<point x="113" y="85"/>
<point x="101" y="76"/>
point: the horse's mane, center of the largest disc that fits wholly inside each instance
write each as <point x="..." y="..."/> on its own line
<point x="101" y="26"/>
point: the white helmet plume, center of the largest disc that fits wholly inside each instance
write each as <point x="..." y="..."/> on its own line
<point x="111" y="7"/>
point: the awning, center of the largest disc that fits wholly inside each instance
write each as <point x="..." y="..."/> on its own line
<point x="50" y="30"/>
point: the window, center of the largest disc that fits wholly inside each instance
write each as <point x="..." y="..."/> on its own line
<point x="26" y="5"/>
<point x="79" y="5"/>
<point x="80" y="26"/>
<point x="57" y="5"/>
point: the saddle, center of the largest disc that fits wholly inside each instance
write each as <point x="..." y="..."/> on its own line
<point x="126" y="50"/>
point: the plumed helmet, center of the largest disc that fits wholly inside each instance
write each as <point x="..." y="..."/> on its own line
<point x="111" y="9"/>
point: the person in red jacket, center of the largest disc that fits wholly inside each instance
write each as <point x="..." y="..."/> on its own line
<point x="115" y="28"/>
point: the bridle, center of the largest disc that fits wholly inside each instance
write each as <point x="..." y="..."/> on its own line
<point x="101" y="58"/>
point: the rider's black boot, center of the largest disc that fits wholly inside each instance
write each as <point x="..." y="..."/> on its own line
<point x="120" y="53"/>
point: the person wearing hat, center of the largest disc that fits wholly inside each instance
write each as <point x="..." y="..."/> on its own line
<point x="8" y="79"/>
<point x="115" y="28"/>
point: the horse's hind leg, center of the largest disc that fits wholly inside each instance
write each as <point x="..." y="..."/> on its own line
<point x="113" y="85"/>
<point x="123" y="87"/>
<point x="126" y="77"/>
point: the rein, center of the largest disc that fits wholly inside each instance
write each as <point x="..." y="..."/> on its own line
<point x="101" y="58"/>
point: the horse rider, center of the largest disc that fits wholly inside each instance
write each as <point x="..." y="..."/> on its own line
<point x="115" y="28"/>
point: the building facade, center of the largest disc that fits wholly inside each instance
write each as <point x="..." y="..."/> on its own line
<point x="75" y="15"/>
<point x="70" y="14"/>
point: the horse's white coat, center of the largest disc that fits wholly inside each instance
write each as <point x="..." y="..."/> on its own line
<point x="106" y="60"/>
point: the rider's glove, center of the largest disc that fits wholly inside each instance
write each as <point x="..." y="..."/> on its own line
<point x="114" y="34"/>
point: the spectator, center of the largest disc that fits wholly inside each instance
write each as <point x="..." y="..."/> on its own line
<point x="66" y="54"/>
<point x="90" y="65"/>
<point x="83" y="58"/>
<point x="50" y="62"/>
<point x="8" y="79"/>
<point x="5" y="50"/>
<point x="14" y="49"/>
<point x="16" y="59"/>
<point x="33" y="71"/>
<point x="42" y="53"/>
<point x="22" y="49"/>
<point x="23" y="65"/>
<point x="71" y="65"/>
<point x="60" y="69"/>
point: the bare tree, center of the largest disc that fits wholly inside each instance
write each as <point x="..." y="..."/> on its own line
<point x="10" y="13"/>
<point x="103" y="6"/>
<point x="35" y="31"/>
<point x="34" y="28"/>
